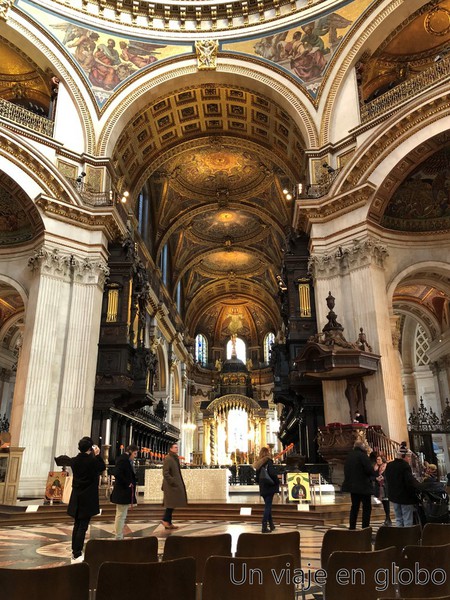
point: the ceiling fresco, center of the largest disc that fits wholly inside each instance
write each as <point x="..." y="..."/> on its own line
<point x="105" y="59"/>
<point x="11" y="318"/>
<point x="414" y="47"/>
<point x="305" y="50"/>
<point x="422" y="201"/>
<point x="424" y="299"/>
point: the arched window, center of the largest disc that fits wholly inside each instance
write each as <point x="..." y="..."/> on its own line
<point x="201" y="349"/>
<point x="241" y="349"/>
<point x="267" y="345"/>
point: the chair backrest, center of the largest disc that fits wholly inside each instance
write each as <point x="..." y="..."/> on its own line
<point x="345" y="539"/>
<point x="200" y="547"/>
<point x="135" y="550"/>
<point x="70" y="582"/>
<point x="424" y="571"/>
<point x="398" y="537"/>
<point x="260" y="544"/>
<point x="436" y="534"/>
<point x="170" y="580"/>
<point x="360" y="575"/>
<point x="249" y="578"/>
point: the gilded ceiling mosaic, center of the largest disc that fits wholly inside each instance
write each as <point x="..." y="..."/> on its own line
<point x="422" y="201"/>
<point x="305" y="50"/>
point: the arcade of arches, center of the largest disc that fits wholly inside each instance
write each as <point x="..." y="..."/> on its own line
<point x="180" y="189"/>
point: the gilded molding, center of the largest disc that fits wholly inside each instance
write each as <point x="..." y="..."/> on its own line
<point x="341" y="260"/>
<point x="5" y="5"/>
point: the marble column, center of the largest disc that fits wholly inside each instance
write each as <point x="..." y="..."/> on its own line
<point x="54" y="393"/>
<point x="355" y="276"/>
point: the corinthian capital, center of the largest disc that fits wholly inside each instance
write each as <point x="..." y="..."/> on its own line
<point x="5" y="5"/>
<point x="341" y="259"/>
<point x="84" y="270"/>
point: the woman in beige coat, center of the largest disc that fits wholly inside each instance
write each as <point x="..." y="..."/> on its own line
<point x="172" y="486"/>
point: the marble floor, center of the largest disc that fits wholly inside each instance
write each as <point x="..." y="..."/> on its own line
<point x="49" y="545"/>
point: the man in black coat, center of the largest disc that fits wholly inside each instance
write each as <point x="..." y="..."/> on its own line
<point x="124" y="490"/>
<point x="84" y="502"/>
<point x="358" y="480"/>
<point x="402" y="487"/>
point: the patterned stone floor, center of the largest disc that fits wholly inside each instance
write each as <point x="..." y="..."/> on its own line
<point x="44" y="546"/>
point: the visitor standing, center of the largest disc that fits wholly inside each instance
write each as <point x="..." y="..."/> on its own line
<point x="84" y="502"/>
<point x="380" y="487"/>
<point x="124" y="490"/>
<point x="269" y="485"/>
<point x="402" y="487"/>
<point x="173" y="486"/>
<point x="358" y="480"/>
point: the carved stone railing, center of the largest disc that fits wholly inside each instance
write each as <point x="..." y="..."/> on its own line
<point x="26" y="118"/>
<point x="406" y="90"/>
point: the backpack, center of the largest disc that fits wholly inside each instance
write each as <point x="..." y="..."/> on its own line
<point x="435" y="506"/>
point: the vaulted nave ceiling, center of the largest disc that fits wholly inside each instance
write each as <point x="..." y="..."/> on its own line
<point x="214" y="160"/>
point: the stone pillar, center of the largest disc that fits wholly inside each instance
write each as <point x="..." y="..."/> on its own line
<point x="54" y="393"/>
<point x="355" y="276"/>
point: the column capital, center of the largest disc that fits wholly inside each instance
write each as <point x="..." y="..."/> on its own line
<point x="341" y="259"/>
<point x="84" y="269"/>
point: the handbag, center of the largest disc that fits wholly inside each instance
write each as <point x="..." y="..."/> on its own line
<point x="264" y="476"/>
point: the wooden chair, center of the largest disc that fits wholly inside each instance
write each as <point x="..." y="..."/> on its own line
<point x="170" y="580"/>
<point x="135" y="550"/>
<point x="70" y="582"/>
<point x="436" y="534"/>
<point x="199" y="547"/>
<point x="399" y="537"/>
<point x="360" y="575"/>
<point x="260" y="544"/>
<point x="345" y="540"/>
<point x="429" y="566"/>
<point x="249" y="578"/>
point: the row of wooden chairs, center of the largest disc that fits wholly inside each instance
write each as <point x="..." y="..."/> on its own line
<point x="225" y="578"/>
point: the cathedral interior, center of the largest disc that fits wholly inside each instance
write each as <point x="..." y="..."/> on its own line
<point x="188" y="193"/>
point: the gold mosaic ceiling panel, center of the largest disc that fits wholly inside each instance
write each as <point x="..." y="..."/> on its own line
<point x="207" y="110"/>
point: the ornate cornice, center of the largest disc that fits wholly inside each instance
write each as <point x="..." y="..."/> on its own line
<point x="82" y="270"/>
<point x="329" y="207"/>
<point x="110" y="222"/>
<point x="342" y="259"/>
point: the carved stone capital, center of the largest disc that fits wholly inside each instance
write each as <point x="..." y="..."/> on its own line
<point x="361" y="253"/>
<point x="84" y="270"/>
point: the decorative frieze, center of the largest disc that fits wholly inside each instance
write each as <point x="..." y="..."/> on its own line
<point x="346" y="258"/>
<point x="83" y="270"/>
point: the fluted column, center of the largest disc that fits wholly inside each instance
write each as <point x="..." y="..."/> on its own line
<point x="53" y="397"/>
<point x="355" y="275"/>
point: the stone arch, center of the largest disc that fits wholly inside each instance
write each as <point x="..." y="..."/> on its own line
<point x="149" y="87"/>
<point x="64" y="68"/>
<point x="361" y="39"/>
